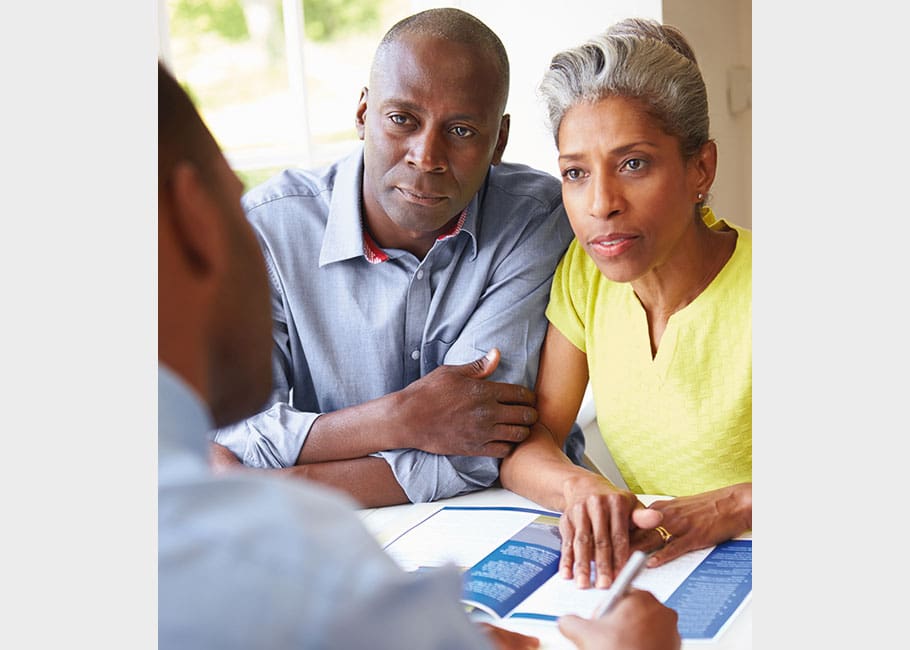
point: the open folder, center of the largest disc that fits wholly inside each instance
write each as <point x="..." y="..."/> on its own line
<point x="509" y="557"/>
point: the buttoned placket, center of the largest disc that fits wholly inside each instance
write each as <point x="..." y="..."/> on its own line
<point x="417" y="311"/>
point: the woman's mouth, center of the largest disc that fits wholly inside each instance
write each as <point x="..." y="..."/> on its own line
<point x="611" y="245"/>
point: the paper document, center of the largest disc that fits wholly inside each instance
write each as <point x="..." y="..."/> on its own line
<point x="510" y="559"/>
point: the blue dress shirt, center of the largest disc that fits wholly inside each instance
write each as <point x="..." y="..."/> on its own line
<point x="250" y="561"/>
<point x="348" y="331"/>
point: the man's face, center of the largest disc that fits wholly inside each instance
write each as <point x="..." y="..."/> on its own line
<point x="432" y="125"/>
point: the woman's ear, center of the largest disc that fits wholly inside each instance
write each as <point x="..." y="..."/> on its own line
<point x="198" y="223"/>
<point x="703" y="167"/>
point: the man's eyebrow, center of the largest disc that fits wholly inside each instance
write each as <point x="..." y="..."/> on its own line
<point x="392" y="103"/>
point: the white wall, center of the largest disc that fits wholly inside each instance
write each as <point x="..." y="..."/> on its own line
<point x="720" y="32"/>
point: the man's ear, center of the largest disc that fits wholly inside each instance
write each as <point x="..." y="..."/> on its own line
<point x="198" y="223"/>
<point x="502" y="139"/>
<point x="360" y="116"/>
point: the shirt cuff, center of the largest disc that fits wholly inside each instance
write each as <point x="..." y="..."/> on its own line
<point x="269" y="440"/>
<point x="428" y="477"/>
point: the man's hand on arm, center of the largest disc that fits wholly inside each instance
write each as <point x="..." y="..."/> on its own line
<point x="453" y="410"/>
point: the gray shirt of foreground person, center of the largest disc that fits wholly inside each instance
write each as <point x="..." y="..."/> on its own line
<point x="248" y="561"/>
<point x="351" y="327"/>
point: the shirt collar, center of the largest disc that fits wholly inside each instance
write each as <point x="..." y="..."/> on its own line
<point x="343" y="237"/>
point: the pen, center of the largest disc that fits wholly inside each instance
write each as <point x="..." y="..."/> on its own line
<point x="622" y="583"/>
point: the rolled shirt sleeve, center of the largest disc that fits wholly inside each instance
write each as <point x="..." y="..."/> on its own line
<point x="270" y="440"/>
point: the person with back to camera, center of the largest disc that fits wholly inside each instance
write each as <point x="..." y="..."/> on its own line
<point x="409" y="283"/>
<point x="246" y="560"/>
<point x="652" y="304"/>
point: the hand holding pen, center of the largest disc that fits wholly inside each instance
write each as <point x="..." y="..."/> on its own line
<point x="628" y="619"/>
<point x="623" y="582"/>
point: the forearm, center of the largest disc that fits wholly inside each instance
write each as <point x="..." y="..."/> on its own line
<point x="739" y="504"/>
<point x="538" y="470"/>
<point x="222" y="459"/>
<point x="283" y="436"/>
<point x="730" y="507"/>
<point x="368" y="480"/>
<point x="356" y="431"/>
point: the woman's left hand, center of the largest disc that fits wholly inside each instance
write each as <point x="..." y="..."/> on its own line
<point x="697" y="521"/>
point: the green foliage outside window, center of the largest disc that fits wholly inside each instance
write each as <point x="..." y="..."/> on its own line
<point x="223" y="17"/>
<point x="324" y="20"/>
<point x="234" y="52"/>
<point x="328" y="19"/>
<point x="253" y="177"/>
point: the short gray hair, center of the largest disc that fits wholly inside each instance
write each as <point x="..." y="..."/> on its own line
<point x="637" y="59"/>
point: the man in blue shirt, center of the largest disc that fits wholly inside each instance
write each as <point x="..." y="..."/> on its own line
<point x="409" y="282"/>
<point x="249" y="561"/>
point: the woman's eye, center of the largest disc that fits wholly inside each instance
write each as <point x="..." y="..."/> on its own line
<point x="636" y="164"/>
<point x="572" y="174"/>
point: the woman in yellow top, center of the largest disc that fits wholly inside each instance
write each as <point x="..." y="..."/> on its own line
<point x="652" y="303"/>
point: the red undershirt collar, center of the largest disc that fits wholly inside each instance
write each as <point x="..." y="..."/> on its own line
<point x="376" y="255"/>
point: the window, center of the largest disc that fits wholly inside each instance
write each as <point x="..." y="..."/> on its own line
<point x="277" y="81"/>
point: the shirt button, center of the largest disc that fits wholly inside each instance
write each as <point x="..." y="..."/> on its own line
<point x="420" y="276"/>
<point x="415" y="355"/>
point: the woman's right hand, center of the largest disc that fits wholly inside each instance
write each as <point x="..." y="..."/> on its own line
<point x="596" y="524"/>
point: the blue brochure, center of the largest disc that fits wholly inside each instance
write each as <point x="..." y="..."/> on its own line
<point x="509" y="557"/>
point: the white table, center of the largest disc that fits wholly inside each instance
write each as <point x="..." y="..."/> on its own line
<point x="386" y="522"/>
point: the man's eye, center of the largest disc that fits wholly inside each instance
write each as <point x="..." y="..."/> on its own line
<point x="462" y="131"/>
<point x="398" y="119"/>
<point x="572" y="174"/>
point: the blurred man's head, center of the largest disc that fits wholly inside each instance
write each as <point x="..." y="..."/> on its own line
<point x="214" y="321"/>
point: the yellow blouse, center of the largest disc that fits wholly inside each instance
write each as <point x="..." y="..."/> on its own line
<point x="680" y="423"/>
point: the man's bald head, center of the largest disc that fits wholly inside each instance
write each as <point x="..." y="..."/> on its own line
<point x="452" y="25"/>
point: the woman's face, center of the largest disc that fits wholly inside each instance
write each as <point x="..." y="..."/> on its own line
<point x="628" y="192"/>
